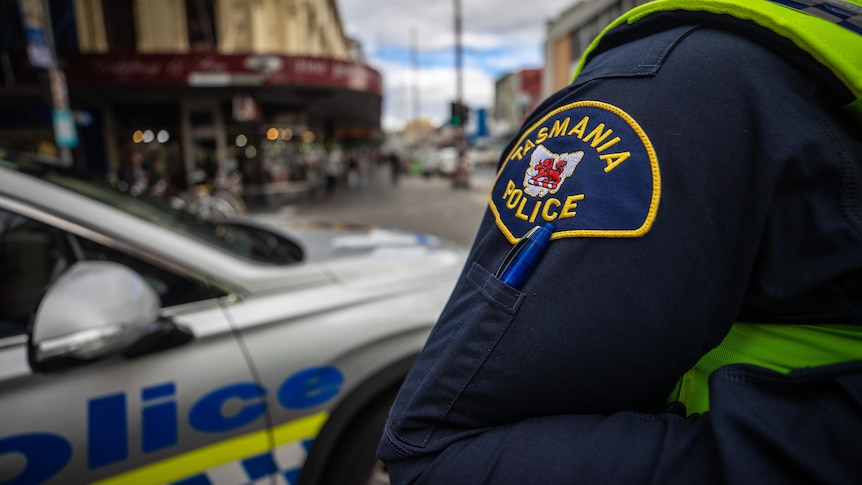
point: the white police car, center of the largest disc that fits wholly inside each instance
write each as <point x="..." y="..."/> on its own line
<point x="139" y="345"/>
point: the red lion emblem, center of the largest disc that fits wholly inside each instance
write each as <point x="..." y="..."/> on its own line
<point x="548" y="175"/>
<point x="547" y="171"/>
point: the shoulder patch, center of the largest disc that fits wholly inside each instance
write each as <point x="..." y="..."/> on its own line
<point x="587" y="168"/>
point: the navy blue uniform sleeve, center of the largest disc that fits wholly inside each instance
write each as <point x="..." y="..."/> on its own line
<point x="693" y="178"/>
<point x="765" y="427"/>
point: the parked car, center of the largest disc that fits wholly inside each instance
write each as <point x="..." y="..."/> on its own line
<point x="426" y="162"/>
<point x="486" y="153"/>
<point x="141" y="344"/>
<point x="448" y="160"/>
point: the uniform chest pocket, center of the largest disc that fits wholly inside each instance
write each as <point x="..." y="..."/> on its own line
<point x="476" y="317"/>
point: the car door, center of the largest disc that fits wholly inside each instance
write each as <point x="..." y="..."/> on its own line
<point x="189" y="412"/>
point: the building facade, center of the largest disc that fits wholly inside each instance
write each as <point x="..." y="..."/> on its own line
<point x="259" y="88"/>
<point x="516" y="94"/>
<point x="570" y="33"/>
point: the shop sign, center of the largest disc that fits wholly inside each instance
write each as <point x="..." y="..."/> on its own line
<point x="212" y="69"/>
<point x="33" y="18"/>
<point x="65" y="134"/>
<point x="245" y="108"/>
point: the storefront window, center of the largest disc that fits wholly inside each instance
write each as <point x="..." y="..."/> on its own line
<point x="201" y="23"/>
<point x="12" y="33"/>
<point x="120" y="25"/>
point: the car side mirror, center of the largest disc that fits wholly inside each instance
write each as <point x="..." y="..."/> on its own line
<point x="93" y="310"/>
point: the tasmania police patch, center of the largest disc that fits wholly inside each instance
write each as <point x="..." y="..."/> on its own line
<point x="587" y="168"/>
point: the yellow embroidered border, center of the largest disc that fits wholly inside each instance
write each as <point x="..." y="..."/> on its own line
<point x="654" y="168"/>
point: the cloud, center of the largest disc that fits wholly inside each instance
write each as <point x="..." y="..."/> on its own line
<point x="498" y="36"/>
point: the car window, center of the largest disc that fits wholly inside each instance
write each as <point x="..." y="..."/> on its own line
<point x="32" y="255"/>
<point x="240" y="238"/>
<point x="172" y="288"/>
<point x="247" y="241"/>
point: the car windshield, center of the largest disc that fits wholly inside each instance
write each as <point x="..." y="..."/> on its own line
<point x="244" y="240"/>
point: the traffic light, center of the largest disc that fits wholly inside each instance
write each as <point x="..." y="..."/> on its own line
<point x="460" y="114"/>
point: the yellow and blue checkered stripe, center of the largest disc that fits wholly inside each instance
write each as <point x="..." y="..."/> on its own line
<point x="283" y="465"/>
<point x="838" y="12"/>
<point x="242" y="460"/>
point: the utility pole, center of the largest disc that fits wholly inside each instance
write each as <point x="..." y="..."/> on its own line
<point x="461" y="177"/>
<point x="414" y="54"/>
<point x="419" y="136"/>
<point x="36" y="18"/>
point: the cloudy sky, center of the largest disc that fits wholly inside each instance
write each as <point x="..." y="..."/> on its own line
<point x="498" y="36"/>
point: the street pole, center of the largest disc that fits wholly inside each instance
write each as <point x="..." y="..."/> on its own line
<point x="414" y="54"/>
<point x="420" y="138"/>
<point x="461" y="177"/>
<point x="36" y="18"/>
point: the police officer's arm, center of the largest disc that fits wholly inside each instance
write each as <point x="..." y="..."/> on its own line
<point x="803" y="428"/>
<point x="690" y="220"/>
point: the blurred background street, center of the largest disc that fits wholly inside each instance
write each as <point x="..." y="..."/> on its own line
<point x="428" y="205"/>
<point x="239" y="103"/>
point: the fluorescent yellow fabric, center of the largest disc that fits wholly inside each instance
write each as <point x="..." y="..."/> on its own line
<point x="779" y="347"/>
<point x="835" y="47"/>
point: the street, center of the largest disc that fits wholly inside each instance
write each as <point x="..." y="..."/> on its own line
<point x="425" y="205"/>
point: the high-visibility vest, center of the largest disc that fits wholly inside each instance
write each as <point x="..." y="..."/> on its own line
<point x="776" y="346"/>
<point x="831" y="32"/>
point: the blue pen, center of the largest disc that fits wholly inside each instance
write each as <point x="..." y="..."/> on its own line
<point x="522" y="259"/>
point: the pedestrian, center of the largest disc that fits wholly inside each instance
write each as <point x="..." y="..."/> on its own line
<point x="696" y="315"/>
<point x="352" y="171"/>
<point x="395" y="167"/>
<point x="364" y="166"/>
<point x="134" y="174"/>
<point x="333" y="171"/>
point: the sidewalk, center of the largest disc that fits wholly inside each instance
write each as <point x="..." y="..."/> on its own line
<point x="426" y="205"/>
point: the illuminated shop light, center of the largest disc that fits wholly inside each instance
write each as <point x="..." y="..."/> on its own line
<point x="308" y="137"/>
<point x="272" y="134"/>
<point x="250" y="152"/>
<point x="241" y="140"/>
<point x="163" y="136"/>
<point x="149" y="136"/>
<point x="138" y="136"/>
<point x="286" y="134"/>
